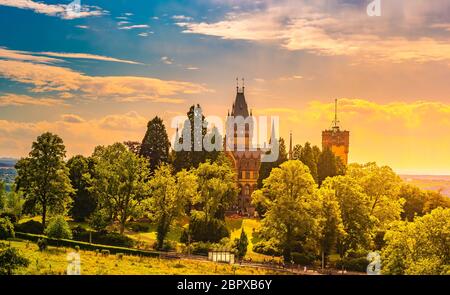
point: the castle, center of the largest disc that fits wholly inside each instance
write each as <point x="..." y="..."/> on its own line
<point x="246" y="160"/>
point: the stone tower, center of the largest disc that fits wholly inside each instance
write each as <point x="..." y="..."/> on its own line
<point x="337" y="140"/>
<point x="246" y="159"/>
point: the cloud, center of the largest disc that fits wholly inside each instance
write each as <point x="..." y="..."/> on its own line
<point x="192" y="68"/>
<point x="80" y="135"/>
<point x="59" y="10"/>
<point x="82" y="27"/>
<point x="167" y="60"/>
<point x="71" y="118"/>
<point x="48" y="78"/>
<point x="145" y="34"/>
<point x="11" y="99"/>
<point x="25" y="56"/>
<point x="134" y="27"/>
<point x="89" y="56"/>
<point x="330" y="28"/>
<point x="182" y="17"/>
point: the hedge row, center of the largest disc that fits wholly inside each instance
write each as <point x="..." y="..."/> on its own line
<point x="85" y="245"/>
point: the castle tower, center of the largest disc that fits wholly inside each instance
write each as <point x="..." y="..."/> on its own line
<point x="246" y="160"/>
<point x="336" y="140"/>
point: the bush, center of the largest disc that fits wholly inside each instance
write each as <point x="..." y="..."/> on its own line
<point x="102" y="237"/>
<point x="105" y="252"/>
<point x="212" y="231"/>
<point x="269" y="247"/>
<point x="42" y="244"/>
<point x="140" y="227"/>
<point x="353" y="264"/>
<point x="303" y="258"/>
<point x="99" y="220"/>
<point x="168" y="245"/>
<point x="12" y="217"/>
<point x="58" y="228"/>
<point x="200" y="248"/>
<point x="119" y="256"/>
<point x="10" y="260"/>
<point x="6" y="229"/>
<point x="31" y="227"/>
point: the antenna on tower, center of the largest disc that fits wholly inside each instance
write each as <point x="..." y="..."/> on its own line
<point x="237" y="84"/>
<point x="335" y="122"/>
<point x="243" y="85"/>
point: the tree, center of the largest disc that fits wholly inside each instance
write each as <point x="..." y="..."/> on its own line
<point x="382" y="186"/>
<point x="10" y="260"/>
<point x="6" y="229"/>
<point x="169" y="195"/>
<point x="119" y="182"/>
<point x="296" y="152"/>
<point x="326" y="165"/>
<point x="289" y="193"/>
<point x="133" y="146"/>
<point x="435" y="200"/>
<point x="155" y="145"/>
<point x="266" y="167"/>
<point x="58" y="228"/>
<point x="195" y="124"/>
<point x="242" y="244"/>
<point x="84" y="202"/>
<point x="419" y="247"/>
<point x="217" y="189"/>
<point x="2" y="194"/>
<point x="308" y="157"/>
<point x="12" y="204"/>
<point x="43" y="176"/>
<point x="354" y="205"/>
<point x="331" y="225"/>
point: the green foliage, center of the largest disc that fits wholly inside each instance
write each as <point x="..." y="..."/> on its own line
<point x="11" y="205"/>
<point x="100" y="219"/>
<point x="42" y="244"/>
<point x="6" y="229"/>
<point x="31" y="227"/>
<point x="199" y="229"/>
<point x="309" y="156"/>
<point x="303" y="258"/>
<point x="84" y="202"/>
<point x="43" y="176"/>
<point x="266" y="168"/>
<point x="155" y="145"/>
<point x="354" y="205"/>
<point x="358" y="264"/>
<point x="217" y="189"/>
<point x="10" y="260"/>
<point x="58" y="228"/>
<point x="169" y="195"/>
<point x="119" y="182"/>
<point x="102" y="237"/>
<point x="270" y="247"/>
<point x="242" y="244"/>
<point x="190" y="157"/>
<point x="418" y="247"/>
<point x="290" y="196"/>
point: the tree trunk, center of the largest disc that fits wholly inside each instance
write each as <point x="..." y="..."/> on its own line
<point x="44" y="214"/>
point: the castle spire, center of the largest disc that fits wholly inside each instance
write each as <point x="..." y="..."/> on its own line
<point x="290" y="145"/>
<point x="335" y="122"/>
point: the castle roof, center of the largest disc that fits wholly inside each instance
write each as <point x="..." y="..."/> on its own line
<point x="240" y="107"/>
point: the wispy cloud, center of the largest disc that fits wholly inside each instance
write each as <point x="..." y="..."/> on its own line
<point x="71" y="118"/>
<point x="167" y="60"/>
<point x="12" y="99"/>
<point x="134" y="27"/>
<point x="88" y="56"/>
<point x="58" y="10"/>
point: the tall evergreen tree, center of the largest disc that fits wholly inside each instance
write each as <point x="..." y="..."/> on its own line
<point x="308" y="157"/>
<point x="327" y="165"/>
<point x="266" y="167"/>
<point x="155" y="145"/>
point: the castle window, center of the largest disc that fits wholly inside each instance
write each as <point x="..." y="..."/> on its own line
<point x="247" y="174"/>
<point x="246" y="190"/>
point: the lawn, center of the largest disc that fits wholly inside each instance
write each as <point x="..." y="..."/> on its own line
<point x="53" y="261"/>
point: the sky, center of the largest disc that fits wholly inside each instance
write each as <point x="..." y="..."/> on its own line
<point x="98" y="76"/>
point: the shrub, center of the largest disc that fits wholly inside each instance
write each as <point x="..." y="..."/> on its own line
<point x="10" y="260"/>
<point x="12" y="217"/>
<point x="105" y="252"/>
<point x="42" y="244"/>
<point x="200" y="248"/>
<point x="99" y="220"/>
<point x="212" y="231"/>
<point x="103" y="237"/>
<point x="140" y="227"/>
<point x="58" y="228"/>
<point x="269" y="247"/>
<point x="31" y="227"/>
<point x="119" y="256"/>
<point x="353" y="264"/>
<point x="303" y="258"/>
<point x="6" y="229"/>
<point x="168" y="245"/>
